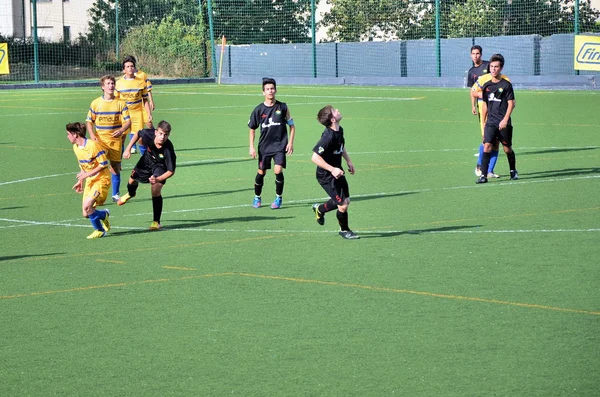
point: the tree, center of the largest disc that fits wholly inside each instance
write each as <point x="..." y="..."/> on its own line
<point x="358" y="20"/>
<point x="474" y="18"/>
<point x="519" y="17"/>
<point x="262" y="21"/>
<point x="132" y="13"/>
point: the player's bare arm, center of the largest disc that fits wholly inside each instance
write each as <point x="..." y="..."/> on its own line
<point x="90" y="129"/>
<point x="346" y="157"/>
<point x="122" y="130"/>
<point x="504" y="121"/>
<point x="252" y="151"/>
<point x="156" y="179"/>
<point x="318" y="160"/>
<point x="289" y="149"/>
<point x="81" y="176"/>
<point x="132" y="141"/>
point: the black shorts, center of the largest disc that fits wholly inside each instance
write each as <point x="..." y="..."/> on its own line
<point x="264" y="161"/>
<point x="143" y="174"/>
<point x="491" y="133"/>
<point x="337" y="189"/>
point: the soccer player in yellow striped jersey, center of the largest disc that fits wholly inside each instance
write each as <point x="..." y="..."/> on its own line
<point x="93" y="166"/>
<point x="132" y="90"/>
<point x="142" y="75"/>
<point x="476" y="96"/>
<point x="111" y="119"/>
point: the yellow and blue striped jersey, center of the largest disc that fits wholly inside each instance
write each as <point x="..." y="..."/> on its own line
<point x="107" y="116"/>
<point x="132" y="91"/>
<point x="477" y="87"/>
<point x="90" y="155"/>
<point x="142" y="75"/>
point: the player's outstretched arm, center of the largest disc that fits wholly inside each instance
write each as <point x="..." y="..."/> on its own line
<point x="132" y="141"/>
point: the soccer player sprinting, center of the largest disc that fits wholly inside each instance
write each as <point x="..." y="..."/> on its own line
<point x="94" y="173"/>
<point x="133" y="91"/>
<point x="498" y="104"/>
<point x="111" y="120"/>
<point x="156" y="165"/>
<point x="272" y="117"/>
<point x="480" y="68"/>
<point x="327" y="155"/>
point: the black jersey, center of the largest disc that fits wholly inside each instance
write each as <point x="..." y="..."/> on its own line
<point x="476" y="71"/>
<point x="330" y="147"/>
<point x="165" y="156"/>
<point x="273" y="127"/>
<point x="496" y="96"/>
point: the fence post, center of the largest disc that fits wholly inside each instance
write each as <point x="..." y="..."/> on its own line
<point x="212" y="38"/>
<point x="314" y="38"/>
<point x="437" y="38"/>
<point x="36" y="60"/>
<point x="576" y="27"/>
<point x="117" y="30"/>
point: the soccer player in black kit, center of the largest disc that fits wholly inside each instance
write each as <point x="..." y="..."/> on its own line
<point x="272" y="117"/>
<point x="327" y="155"/>
<point x="156" y="165"/>
<point x="497" y="106"/>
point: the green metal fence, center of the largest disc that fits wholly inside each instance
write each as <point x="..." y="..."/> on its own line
<point x="54" y="40"/>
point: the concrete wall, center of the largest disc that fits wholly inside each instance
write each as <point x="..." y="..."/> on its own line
<point x="531" y="55"/>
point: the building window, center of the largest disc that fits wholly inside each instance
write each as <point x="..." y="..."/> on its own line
<point x="67" y="34"/>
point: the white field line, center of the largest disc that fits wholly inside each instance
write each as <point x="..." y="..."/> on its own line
<point x="339" y="99"/>
<point x="69" y="222"/>
<point x="209" y="161"/>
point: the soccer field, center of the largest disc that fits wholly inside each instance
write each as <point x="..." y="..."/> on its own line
<point x="454" y="289"/>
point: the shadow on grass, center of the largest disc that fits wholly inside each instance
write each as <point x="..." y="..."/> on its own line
<point x="420" y="231"/>
<point x="215" y="193"/>
<point x="9" y="258"/>
<point x="11" y="208"/>
<point x="561" y="173"/>
<point x="557" y="150"/>
<point x="216" y="162"/>
<point x="352" y="199"/>
<point x="197" y="223"/>
<point x="210" y="148"/>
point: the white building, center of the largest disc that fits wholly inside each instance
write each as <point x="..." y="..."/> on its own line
<point x="57" y="20"/>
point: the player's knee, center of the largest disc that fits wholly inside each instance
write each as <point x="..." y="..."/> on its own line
<point x="344" y="206"/>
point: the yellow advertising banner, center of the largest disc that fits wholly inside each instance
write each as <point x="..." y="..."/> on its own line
<point x="4" y="58"/>
<point x="587" y="52"/>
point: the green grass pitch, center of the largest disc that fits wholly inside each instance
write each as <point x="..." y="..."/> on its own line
<point x="454" y="289"/>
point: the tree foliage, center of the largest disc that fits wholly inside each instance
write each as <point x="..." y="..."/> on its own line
<point x="262" y="21"/>
<point x="168" y="48"/>
<point x="359" y="20"/>
<point x="102" y="29"/>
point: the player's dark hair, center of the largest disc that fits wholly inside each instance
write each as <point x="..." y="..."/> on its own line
<point x="76" y="128"/>
<point x="497" y="58"/>
<point x="106" y="77"/>
<point x="165" y="126"/>
<point x="325" y="115"/>
<point x="268" y="80"/>
<point x="129" y="58"/>
<point x="477" y="47"/>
